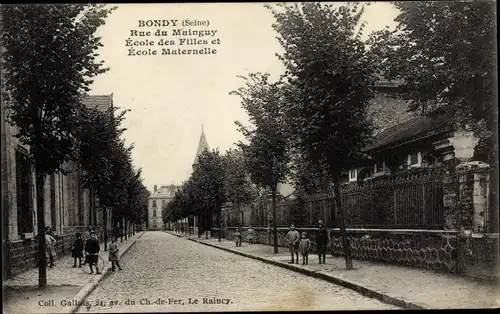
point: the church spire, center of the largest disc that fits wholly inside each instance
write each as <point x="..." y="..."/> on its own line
<point x="202" y="146"/>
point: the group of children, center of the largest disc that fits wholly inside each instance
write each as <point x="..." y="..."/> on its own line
<point x="296" y="242"/>
<point x="302" y="245"/>
<point x="91" y="250"/>
<point x="237" y="236"/>
<point x="298" y="245"/>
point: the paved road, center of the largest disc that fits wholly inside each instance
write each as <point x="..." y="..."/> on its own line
<point x="165" y="273"/>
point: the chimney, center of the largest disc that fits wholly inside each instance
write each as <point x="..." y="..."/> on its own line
<point x="156" y="187"/>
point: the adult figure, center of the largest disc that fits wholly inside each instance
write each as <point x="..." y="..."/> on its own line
<point x="293" y="239"/>
<point x="321" y="241"/>
<point x="50" y="246"/>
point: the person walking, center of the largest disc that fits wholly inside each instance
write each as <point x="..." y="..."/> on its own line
<point x="321" y="241"/>
<point x="92" y="249"/>
<point x="114" y="254"/>
<point x="293" y="238"/>
<point x="50" y="247"/>
<point x="77" y="250"/>
<point x="304" y="247"/>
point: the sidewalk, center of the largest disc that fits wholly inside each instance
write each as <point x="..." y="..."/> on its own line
<point x="64" y="283"/>
<point x="401" y="286"/>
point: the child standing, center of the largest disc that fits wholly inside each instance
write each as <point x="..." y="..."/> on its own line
<point x="237" y="237"/>
<point x="304" y="246"/>
<point x="77" y="250"/>
<point x="92" y="249"/>
<point x="114" y="254"/>
<point x="293" y="239"/>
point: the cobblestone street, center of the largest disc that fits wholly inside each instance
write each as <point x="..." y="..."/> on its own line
<point x="162" y="268"/>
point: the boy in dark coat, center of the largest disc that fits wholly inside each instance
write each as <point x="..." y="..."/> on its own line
<point x="77" y="250"/>
<point x="321" y="241"/>
<point x="92" y="249"/>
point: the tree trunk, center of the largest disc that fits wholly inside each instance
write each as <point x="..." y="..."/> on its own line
<point x="207" y="224"/>
<point x="126" y="228"/>
<point x="200" y="224"/>
<point x="275" y="222"/>
<point x="40" y="213"/>
<point x="91" y="204"/>
<point x="105" y="228"/>
<point x="121" y="229"/>
<point x="220" y="222"/>
<point x="94" y="209"/>
<point x="345" y="240"/>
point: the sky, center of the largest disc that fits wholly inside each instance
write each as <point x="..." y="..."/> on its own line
<point x="172" y="96"/>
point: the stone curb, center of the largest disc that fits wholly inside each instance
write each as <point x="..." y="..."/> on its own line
<point x="174" y="234"/>
<point x="362" y="289"/>
<point x="89" y="287"/>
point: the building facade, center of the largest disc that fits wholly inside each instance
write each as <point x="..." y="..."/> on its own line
<point x="67" y="207"/>
<point x="159" y="198"/>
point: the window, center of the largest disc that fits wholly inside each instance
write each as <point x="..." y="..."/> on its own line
<point x="379" y="165"/>
<point x="414" y="158"/>
<point x="163" y="202"/>
<point x="23" y="191"/>
<point x="154" y="204"/>
<point x="352" y="174"/>
<point x="154" y="212"/>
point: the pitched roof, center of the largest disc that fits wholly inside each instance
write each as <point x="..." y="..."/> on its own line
<point x="165" y="191"/>
<point x="100" y="102"/>
<point x="202" y="145"/>
<point x="421" y="126"/>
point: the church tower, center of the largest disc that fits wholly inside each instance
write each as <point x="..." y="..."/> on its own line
<point x="202" y="146"/>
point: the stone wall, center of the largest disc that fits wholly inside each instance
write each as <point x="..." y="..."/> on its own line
<point x="23" y="255"/>
<point x="443" y="251"/>
<point x="437" y="250"/>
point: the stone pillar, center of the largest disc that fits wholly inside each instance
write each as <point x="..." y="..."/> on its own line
<point x="464" y="143"/>
<point x="450" y="199"/>
<point x="480" y="198"/>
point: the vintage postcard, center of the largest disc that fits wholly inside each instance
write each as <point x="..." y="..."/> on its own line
<point x="200" y="157"/>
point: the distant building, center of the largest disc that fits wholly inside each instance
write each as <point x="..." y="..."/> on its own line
<point x="156" y="201"/>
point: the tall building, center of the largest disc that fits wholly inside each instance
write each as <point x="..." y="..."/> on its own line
<point x="156" y="201"/>
<point x="202" y="146"/>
